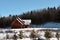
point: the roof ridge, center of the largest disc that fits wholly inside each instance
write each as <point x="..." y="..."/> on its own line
<point x="19" y="21"/>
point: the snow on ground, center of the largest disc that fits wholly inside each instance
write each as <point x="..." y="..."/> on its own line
<point x="53" y="38"/>
<point x="29" y="39"/>
<point x="18" y="39"/>
<point x="27" y="32"/>
<point x="2" y="35"/>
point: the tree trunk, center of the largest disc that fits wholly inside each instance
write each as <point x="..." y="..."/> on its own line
<point x="58" y="38"/>
<point x="49" y="38"/>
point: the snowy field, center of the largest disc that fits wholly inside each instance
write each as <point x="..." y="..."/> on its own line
<point x="26" y="33"/>
<point x="48" y="25"/>
<point x="30" y="39"/>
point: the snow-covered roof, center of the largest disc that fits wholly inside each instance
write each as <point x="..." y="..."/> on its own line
<point x="27" y="22"/>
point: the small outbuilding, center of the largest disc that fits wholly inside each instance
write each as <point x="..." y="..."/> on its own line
<point x="20" y="23"/>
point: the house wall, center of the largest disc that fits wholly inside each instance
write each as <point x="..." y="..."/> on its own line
<point x="16" y="24"/>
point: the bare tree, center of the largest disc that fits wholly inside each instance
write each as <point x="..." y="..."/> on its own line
<point x="33" y="34"/>
<point x="15" y="36"/>
<point x="21" y="35"/>
<point x="48" y="34"/>
<point x="57" y="35"/>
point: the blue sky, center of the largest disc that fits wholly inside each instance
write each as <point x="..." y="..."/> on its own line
<point x="14" y="7"/>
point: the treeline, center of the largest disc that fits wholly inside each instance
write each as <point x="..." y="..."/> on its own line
<point x="42" y="16"/>
<point x="6" y="21"/>
<point x="37" y="16"/>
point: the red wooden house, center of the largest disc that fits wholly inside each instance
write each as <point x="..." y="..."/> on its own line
<point x="20" y="23"/>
